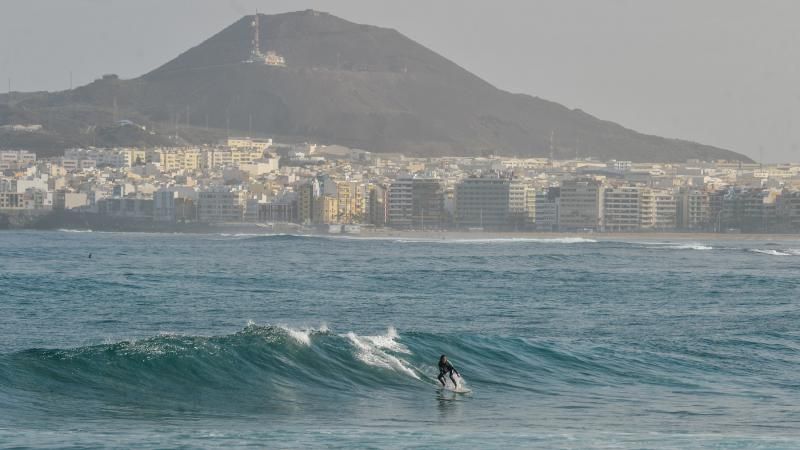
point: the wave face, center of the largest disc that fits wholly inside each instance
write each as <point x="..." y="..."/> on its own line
<point x="259" y="367"/>
<point x="278" y="370"/>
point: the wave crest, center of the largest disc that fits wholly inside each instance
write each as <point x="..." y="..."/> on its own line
<point x="770" y="252"/>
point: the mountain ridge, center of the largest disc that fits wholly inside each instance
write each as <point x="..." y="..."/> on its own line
<point x="344" y="83"/>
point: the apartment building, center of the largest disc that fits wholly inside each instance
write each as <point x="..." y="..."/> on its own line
<point x="580" y="205"/>
<point x="415" y="202"/>
<point x="484" y="202"/>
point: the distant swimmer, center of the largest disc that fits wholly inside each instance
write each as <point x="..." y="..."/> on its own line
<point x="90" y="256"/>
<point x="446" y="368"/>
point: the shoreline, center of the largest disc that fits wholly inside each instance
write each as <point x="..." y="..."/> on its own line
<point x="239" y="230"/>
<point x="77" y="221"/>
<point x="455" y="235"/>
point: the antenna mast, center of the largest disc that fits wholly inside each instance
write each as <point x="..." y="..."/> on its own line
<point x="256" y="38"/>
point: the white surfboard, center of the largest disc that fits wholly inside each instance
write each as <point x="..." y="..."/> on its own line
<point x="458" y="390"/>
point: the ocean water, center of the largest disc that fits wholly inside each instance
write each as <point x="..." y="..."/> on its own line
<point x="169" y="340"/>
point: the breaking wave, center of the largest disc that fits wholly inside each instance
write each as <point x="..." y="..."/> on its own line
<point x="773" y="252"/>
<point x="258" y="367"/>
<point x="679" y="246"/>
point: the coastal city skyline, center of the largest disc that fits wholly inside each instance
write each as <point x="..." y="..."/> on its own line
<point x="338" y="189"/>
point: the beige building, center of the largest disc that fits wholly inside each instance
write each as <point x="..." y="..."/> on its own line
<point x="249" y="143"/>
<point x="623" y="208"/>
<point x="179" y="159"/>
<point x="666" y="209"/>
<point x="219" y="158"/>
<point x="351" y="202"/>
<point x="329" y="209"/>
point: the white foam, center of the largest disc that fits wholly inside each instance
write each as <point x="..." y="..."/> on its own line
<point x="249" y="235"/>
<point x="677" y="245"/>
<point x="302" y="335"/>
<point x="67" y="230"/>
<point x="692" y="247"/>
<point x="372" y="351"/>
<point x="564" y="240"/>
<point x="770" y="252"/>
<point x="388" y="341"/>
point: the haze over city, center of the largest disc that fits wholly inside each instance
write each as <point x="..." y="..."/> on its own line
<point x="717" y="72"/>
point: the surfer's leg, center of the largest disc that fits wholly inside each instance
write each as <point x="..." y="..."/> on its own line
<point x="441" y="379"/>
<point x="455" y="384"/>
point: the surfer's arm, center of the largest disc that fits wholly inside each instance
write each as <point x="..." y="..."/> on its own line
<point x="454" y="370"/>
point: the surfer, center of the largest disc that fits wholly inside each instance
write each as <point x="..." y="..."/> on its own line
<point x="446" y="368"/>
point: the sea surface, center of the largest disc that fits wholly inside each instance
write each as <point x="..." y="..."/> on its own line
<point x="175" y="340"/>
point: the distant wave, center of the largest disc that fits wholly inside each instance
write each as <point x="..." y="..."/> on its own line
<point x="674" y="245"/>
<point x="401" y="239"/>
<point x="67" y="230"/>
<point x="562" y="240"/>
<point x="690" y="247"/>
<point x="773" y="252"/>
<point x="694" y="247"/>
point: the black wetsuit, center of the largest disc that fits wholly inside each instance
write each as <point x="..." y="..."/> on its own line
<point x="444" y="369"/>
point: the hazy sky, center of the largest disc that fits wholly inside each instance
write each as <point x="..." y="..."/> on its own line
<point x="721" y="72"/>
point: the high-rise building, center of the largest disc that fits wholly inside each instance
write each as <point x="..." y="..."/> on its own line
<point x="790" y="210"/>
<point x="622" y="208"/>
<point x="546" y="209"/>
<point x="305" y="201"/>
<point x="520" y="204"/>
<point x="376" y="205"/>
<point x="665" y="209"/>
<point x="580" y="205"/>
<point x="164" y="205"/>
<point x="415" y="203"/>
<point x="351" y="200"/>
<point x="483" y="202"/>
<point x="219" y="205"/>
<point x="750" y="210"/>
<point x="694" y="209"/>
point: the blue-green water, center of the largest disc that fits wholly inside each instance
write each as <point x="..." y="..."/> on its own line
<point x="164" y="340"/>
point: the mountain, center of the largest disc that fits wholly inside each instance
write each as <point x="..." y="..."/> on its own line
<point x="343" y="83"/>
